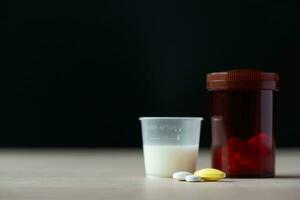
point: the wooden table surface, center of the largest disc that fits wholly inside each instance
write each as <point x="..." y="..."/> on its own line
<point x="119" y="174"/>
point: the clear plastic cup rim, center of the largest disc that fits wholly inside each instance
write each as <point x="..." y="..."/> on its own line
<point x="175" y="118"/>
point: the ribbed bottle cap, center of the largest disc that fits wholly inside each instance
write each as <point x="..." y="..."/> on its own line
<point x="242" y="79"/>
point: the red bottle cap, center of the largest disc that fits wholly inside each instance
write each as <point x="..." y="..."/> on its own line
<point x="242" y="79"/>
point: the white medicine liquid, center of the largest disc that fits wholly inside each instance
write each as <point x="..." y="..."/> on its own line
<point x="164" y="160"/>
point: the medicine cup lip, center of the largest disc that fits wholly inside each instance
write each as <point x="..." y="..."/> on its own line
<point x="171" y="118"/>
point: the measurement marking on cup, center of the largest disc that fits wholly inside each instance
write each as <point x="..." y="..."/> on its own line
<point x="155" y="138"/>
<point x="178" y="137"/>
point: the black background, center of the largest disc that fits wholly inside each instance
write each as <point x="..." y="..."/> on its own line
<point x="80" y="73"/>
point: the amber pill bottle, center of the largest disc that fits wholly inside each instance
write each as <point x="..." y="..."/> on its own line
<point x="243" y="122"/>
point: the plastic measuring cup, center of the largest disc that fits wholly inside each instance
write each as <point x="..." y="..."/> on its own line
<point x="170" y="144"/>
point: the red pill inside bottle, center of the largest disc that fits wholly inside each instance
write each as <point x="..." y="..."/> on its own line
<point x="243" y="116"/>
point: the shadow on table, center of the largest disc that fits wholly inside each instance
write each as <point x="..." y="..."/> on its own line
<point x="288" y="176"/>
